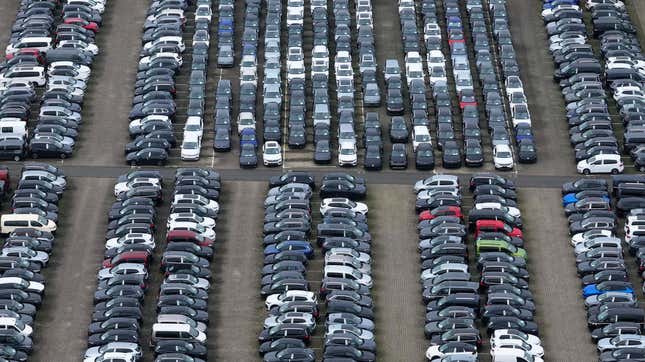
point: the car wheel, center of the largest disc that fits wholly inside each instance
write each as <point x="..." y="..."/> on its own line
<point x="34" y="155"/>
<point x="614" y="171"/>
<point x="63" y="156"/>
<point x="16" y="158"/>
<point x="160" y="163"/>
<point x="642" y="169"/>
<point x="133" y="163"/>
<point x="586" y="171"/>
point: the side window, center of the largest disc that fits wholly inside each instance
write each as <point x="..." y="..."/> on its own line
<point x="36" y="224"/>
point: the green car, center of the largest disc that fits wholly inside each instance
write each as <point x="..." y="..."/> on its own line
<point x="484" y="246"/>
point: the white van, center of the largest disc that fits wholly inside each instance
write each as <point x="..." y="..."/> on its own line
<point x="604" y="163"/>
<point x="30" y="75"/>
<point x="11" y="222"/>
<point x="13" y="128"/>
<point x="162" y="331"/>
<point x="42" y="44"/>
<point x="335" y="271"/>
<point x="420" y="134"/>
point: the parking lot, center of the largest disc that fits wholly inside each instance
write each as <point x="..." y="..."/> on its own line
<point x="236" y="310"/>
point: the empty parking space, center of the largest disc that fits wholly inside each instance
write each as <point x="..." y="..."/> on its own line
<point x="555" y="285"/>
<point x="397" y="293"/>
<point x="236" y="318"/>
<point x="109" y="98"/>
<point x="71" y="276"/>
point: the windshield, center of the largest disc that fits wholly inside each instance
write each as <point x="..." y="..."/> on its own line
<point x="272" y="151"/>
<point x="346" y="151"/>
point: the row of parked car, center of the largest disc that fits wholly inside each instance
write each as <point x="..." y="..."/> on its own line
<point x="51" y="45"/>
<point x="123" y="279"/>
<point x="454" y="308"/>
<point x="291" y="304"/>
<point x="347" y="271"/>
<point x="182" y="305"/>
<point x="343" y="235"/>
<point x="225" y="31"/>
<point x="271" y="89"/>
<point x="160" y="59"/>
<point x="584" y="82"/>
<point x="30" y="229"/>
<point x="614" y="315"/>
<point x="193" y="129"/>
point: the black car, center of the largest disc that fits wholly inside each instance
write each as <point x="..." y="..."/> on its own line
<point x="248" y="156"/>
<point x="222" y="141"/>
<point x="193" y="349"/>
<point x="373" y="159"/>
<point x="342" y="188"/>
<point x="473" y="153"/>
<point x="399" y="130"/>
<point x="297" y="137"/>
<point x="148" y="156"/>
<point x="322" y="153"/>
<point x="424" y="157"/>
<point x="399" y="156"/>
<point x="451" y="157"/>
<point x="49" y="149"/>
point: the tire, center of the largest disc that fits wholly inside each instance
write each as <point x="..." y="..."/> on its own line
<point x="160" y="163"/>
<point x="642" y="168"/>
<point x="34" y="155"/>
<point x="614" y="171"/>
<point x="586" y="171"/>
<point x="16" y="158"/>
<point x="133" y="163"/>
<point x="63" y="156"/>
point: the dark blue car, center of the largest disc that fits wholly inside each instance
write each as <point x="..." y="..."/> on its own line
<point x="294" y="245"/>
<point x="248" y="137"/>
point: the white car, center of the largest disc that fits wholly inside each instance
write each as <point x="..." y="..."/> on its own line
<point x="245" y="120"/>
<point x="501" y="335"/>
<point x="551" y="11"/>
<point x="336" y="328"/>
<point x="347" y="154"/>
<point x="533" y="349"/>
<point x="590" y="4"/>
<point x="520" y="114"/>
<point x="596" y="243"/>
<point x="130" y="239"/>
<point x="435" y="58"/>
<point x="435" y="191"/>
<point x="513" y="211"/>
<point x="319" y="66"/>
<point x="355" y="255"/>
<point x="126" y="186"/>
<point x="431" y="31"/>
<point x="344" y="71"/>
<point x="295" y="16"/>
<point x="203" y="12"/>
<point x="92" y="353"/>
<point x="272" y="153"/>
<point x="114" y="356"/>
<point x="513" y="83"/>
<point x="206" y="222"/>
<point x="305" y="319"/>
<point x="23" y="284"/>
<point x="438" y="75"/>
<point x="621" y="341"/>
<point x="442" y="269"/>
<point x="276" y="300"/>
<point x="320" y="52"/>
<point x="248" y="76"/>
<point x="296" y="71"/>
<point x="77" y="44"/>
<point x="603" y="163"/>
<point x="208" y="233"/>
<point x="345" y="203"/>
<point x="196" y="199"/>
<point x="10" y="323"/>
<point x="503" y="157"/>
<point x="342" y="57"/>
<point x="83" y="70"/>
<point x="162" y="55"/>
<point x="420" y="134"/>
<point x="122" y="269"/>
<point x="295" y="56"/>
<point x="437" y="352"/>
<point x="194" y="127"/>
<point x="590" y="235"/>
<point x="436" y="181"/>
<point x="515" y="349"/>
<point x="174" y="40"/>
<point x="40" y="257"/>
<point x="248" y="63"/>
<point x="191" y="148"/>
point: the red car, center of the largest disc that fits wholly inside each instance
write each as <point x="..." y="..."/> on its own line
<point x="189" y="236"/>
<point x="139" y="257"/>
<point x="28" y="51"/>
<point x="441" y="211"/>
<point x="89" y="25"/>
<point x="467" y="98"/>
<point x="497" y="226"/>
